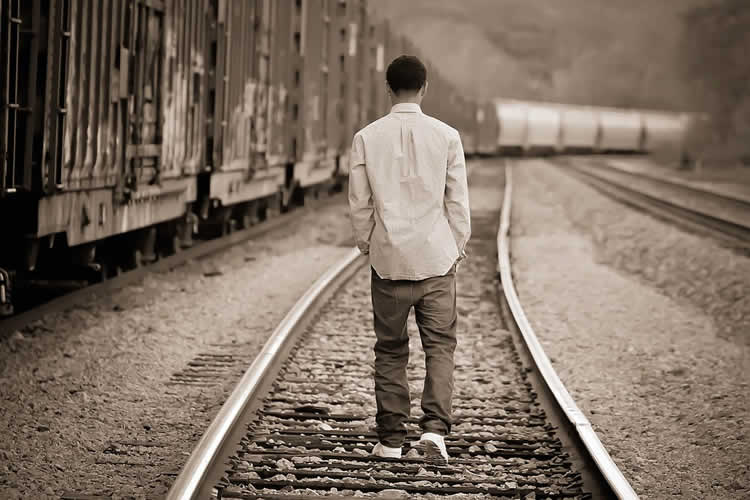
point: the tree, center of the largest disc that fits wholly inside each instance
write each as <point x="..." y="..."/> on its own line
<point x="716" y="60"/>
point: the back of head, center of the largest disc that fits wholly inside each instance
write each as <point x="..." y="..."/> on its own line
<point x="406" y="75"/>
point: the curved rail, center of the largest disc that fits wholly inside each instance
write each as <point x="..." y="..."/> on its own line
<point x="696" y="187"/>
<point x="723" y="216"/>
<point x="573" y="416"/>
<point x="204" y="456"/>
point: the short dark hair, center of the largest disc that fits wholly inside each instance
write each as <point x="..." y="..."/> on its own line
<point x="406" y="73"/>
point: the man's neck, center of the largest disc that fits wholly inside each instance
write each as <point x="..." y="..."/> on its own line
<point x="408" y="99"/>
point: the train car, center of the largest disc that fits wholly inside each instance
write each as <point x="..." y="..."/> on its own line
<point x="376" y="95"/>
<point x="542" y="128"/>
<point x="245" y="177"/>
<point x="512" y="123"/>
<point x="337" y="97"/>
<point x="664" y="133"/>
<point x="353" y="33"/>
<point x="283" y="100"/>
<point x="128" y="125"/>
<point x="312" y="167"/>
<point x="101" y="130"/>
<point x="579" y="129"/>
<point x="394" y="47"/>
<point x="619" y="131"/>
<point x="487" y="128"/>
<point x="528" y="127"/>
<point x="436" y="99"/>
<point x="465" y="108"/>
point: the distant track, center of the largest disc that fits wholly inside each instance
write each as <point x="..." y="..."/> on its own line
<point x="723" y="217"/>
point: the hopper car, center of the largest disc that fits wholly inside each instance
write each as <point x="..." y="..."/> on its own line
<point x="528" y="127"/>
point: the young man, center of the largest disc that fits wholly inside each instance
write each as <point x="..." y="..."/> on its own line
<point x="409" y="205"/>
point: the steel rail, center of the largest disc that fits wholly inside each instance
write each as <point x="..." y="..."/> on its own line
<point x="621" y="166"/>
<point x="731" y="234"/>
<point x="724" y="217"/>
<point x="189" y="482"/>
<point x="579" y="427"/>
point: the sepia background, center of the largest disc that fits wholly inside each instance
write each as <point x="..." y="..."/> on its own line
<point x="668" y="54"/>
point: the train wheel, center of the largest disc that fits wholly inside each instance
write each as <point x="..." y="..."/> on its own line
<point x="168" y="241"/>
<point x="226" y="223"/>
<point x="175" y="244"/>
<point x="249" y="215"/>
<point x="147" y="244"/>
<point x="273" y="206"/>
<point x="299" y="197"/>
<point x="98" y="272"/>
<point x="246" y="221"/>
<point x="133" y="259"/>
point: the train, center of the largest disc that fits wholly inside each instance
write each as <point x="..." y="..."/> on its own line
<point x="528" y="127"/>
<point x="131" y="126"/>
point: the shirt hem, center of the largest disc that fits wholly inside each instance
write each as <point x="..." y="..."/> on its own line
<point x="411" y="277"/>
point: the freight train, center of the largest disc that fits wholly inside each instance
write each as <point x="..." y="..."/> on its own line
<point x="528" y="127"/>
<point x="128" y="126"/>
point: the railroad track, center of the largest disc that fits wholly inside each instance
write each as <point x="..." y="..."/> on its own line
<point x="200" y="250"/>
<point x="724" y="217"/>
<point x="301" y="420"/>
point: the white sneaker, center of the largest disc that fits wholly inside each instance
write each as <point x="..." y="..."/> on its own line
<point x="432" y="447"/>
<point x="381" y="450"/>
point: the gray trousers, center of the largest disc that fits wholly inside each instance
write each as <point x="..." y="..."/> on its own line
<point x="434" y="302"/>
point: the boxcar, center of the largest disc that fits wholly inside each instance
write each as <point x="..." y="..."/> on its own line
<point x="102" y="126"/>
<point x="128" y="124"/>
<point x="245" y="175"/>
<point x="354" y="80"/>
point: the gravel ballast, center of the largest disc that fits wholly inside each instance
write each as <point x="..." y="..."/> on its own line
<point x="499" y="444"/>
<point x="109" y="398"/>
<point x="648" y="328"/>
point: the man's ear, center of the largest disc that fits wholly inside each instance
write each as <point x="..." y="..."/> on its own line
<point x="388" y="88"/>
<point x="424" y="88"/>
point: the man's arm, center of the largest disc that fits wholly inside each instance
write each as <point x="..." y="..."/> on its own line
<point x="360" y="197"/>
<point x="457" y="196"/>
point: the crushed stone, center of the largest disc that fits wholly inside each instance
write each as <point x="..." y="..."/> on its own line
<point x="103" y="399"/>
<point x="646" y="325"/>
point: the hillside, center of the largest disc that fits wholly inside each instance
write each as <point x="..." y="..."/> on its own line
<point x="614" y="52"/>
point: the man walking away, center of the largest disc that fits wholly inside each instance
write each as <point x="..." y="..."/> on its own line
<point x="409" y="205"/>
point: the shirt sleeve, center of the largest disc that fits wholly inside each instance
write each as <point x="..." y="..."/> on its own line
<point x="361" y="206"/>
<point x="457" y="195"/>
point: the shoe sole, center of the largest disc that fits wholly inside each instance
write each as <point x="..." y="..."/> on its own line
<point x="430" y="452"/>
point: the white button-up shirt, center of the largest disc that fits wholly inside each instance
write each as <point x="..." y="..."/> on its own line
<point x="408" y="194"/>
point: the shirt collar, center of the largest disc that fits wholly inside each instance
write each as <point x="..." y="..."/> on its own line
<point x="406" y="107"/>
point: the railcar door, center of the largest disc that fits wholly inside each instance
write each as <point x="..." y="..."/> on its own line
<point x="183" y="87"/>
<point x="142" y="72"/>
<point x="23" y="53"/>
